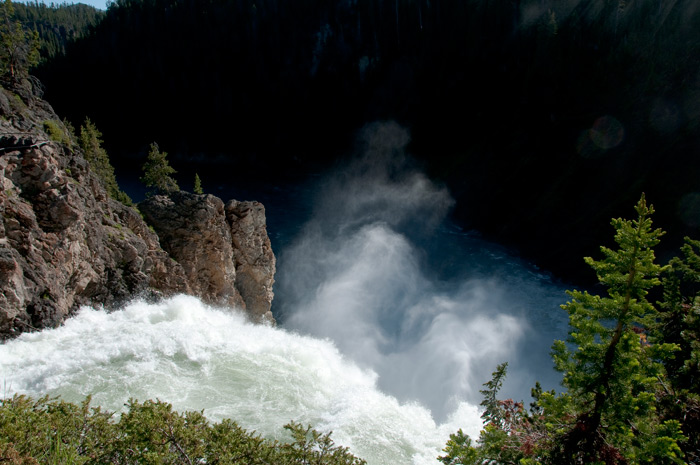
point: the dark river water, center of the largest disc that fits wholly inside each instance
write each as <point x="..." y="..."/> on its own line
<point x="369" y="259"/>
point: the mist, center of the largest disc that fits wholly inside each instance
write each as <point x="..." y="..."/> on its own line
<point x="381" y="272"/>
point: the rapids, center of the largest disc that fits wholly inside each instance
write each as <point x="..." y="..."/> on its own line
<point x="202" y="358"/>
<point x="391" y="319"/>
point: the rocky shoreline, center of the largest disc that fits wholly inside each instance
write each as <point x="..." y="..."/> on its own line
<point x="65" y="243"/>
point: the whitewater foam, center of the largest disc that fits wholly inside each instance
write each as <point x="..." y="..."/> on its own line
<point x="200" y="358"/>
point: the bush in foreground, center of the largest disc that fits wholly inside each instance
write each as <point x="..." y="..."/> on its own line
<point x="58" y="432"/>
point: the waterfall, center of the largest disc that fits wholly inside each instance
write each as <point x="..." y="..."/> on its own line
<point x="202" y="358"/>
<point x="391" y="319"/>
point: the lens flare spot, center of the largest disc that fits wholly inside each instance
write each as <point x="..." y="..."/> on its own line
<point x="607" y="132"/>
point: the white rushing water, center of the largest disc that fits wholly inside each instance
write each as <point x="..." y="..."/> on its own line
<point x="392" y="318"/>
<point x="379" y="269"/>
<point x="199" y="358"/>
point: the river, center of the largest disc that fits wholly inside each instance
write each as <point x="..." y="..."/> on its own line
<point x="391" y="318"/>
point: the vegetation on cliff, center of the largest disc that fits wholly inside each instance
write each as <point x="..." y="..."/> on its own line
<point x="66" y="242"/>
<point x="157" y="173"/>
<point x="630" y="370"/>
<point x="91" y="143"/>
<point x="19" y="47"/>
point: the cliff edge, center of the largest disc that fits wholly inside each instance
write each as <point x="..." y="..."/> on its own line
<point x="224" y="249"/>
<point x="65" y="243"/>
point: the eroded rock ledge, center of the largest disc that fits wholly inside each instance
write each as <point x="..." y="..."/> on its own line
<point x="64" y="243"/>
<point x="224" y="249"/>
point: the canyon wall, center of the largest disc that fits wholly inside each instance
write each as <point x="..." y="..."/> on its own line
<point x="65" y="243"/>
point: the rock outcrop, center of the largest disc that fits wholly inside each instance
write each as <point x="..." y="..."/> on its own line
<point x="224" y="250"/>
<point x="64" y="242"/>
<point x="252" y="252"/>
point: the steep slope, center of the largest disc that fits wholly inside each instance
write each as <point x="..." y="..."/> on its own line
<point x="64" y="242"/>
<point x="57" y="25"/>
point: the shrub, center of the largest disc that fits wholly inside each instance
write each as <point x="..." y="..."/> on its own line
<point x="151" y="432"/>
<point x="57" y="133"/>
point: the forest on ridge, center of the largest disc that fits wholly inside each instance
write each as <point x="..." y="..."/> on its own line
<point x="527" y="110"/>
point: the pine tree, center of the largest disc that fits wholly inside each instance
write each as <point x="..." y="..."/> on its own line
<point x="91" y="143"/>
<point x="679" y="323"/>
<point x="19" y="49"/>
<point x="57" y="25"/>
<point x="610" y="370"/>
<point x="157" y="172"/>
<point x="612" y="375"/>
<point x="197" y="185"/>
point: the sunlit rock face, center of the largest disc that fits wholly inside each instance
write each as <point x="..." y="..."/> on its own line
<point x="224" y="250"/>
<point x="193" y="230"/>
<point x="64" y="243"/>
<point x="252" y="252"/>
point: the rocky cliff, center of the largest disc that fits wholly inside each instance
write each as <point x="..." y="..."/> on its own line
<point x="224" y="249"/>
<point x="65" y="243"/>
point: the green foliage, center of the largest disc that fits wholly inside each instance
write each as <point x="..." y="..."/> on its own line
<point x="311" y="447"/>
<point x="197" y="185"/>
<point x="57" y="132"/>
<point x="19" y="49"/>
<point x="157" y="172"/>
<point x="608" y="365"/>
<point x="154" y="433"/>
<point x="501" y="418"/>
<point x="459" y="451"/>
<point x="230" y="443"/>
<point x="57" y="25"/>
<point x="680" y="319"/>
<point x="679" y="323"/>
<point x="58" y="432"/>
<point x="493" y="410"/>
<point x="91" y="143"/>
<point x="612" y="370"/>
<point x="52" y="431"/>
